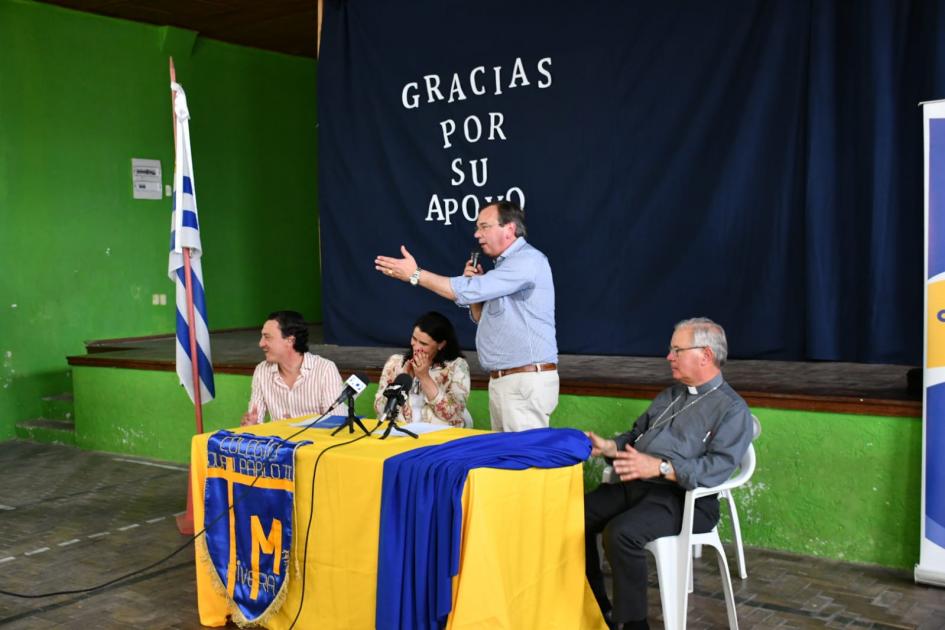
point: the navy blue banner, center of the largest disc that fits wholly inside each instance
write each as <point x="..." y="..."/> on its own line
<point x="756" y="162"/>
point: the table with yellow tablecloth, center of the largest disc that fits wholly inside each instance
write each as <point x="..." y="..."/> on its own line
<point x="522" y="554"/>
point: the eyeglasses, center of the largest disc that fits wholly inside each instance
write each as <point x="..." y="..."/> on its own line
<point x="673" y="350"/>
<point x="482" y="227"/>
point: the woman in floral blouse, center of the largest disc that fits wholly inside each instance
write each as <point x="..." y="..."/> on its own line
<point x="440" y="375"/>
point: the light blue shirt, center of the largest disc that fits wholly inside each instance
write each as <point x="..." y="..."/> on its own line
<point x="517" y="325"/>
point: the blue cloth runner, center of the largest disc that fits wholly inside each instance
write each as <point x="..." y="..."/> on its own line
<point x="421" y="516"/>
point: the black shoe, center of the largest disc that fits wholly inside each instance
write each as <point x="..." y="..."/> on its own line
<point x="636" y="625"/>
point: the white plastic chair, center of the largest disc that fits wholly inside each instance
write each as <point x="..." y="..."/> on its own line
<point x="673" y="554"/>
<point x="733" y="516"/>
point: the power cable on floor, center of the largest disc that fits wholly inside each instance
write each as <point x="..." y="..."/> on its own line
<point x="193" y="539"/>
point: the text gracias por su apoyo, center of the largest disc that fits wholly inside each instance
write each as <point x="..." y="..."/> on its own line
<point x="473" y="128"/>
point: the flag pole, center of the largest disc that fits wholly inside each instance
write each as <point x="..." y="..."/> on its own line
<point x="188" y="283"/>
<point x="185" y="521"/>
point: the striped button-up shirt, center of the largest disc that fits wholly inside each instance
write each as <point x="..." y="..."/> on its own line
<point x="313" y="391"/>
<point x="517" y="325"/>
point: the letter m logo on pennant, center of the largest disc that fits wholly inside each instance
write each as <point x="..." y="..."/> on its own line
<point x="249" y="521"/>
<point x="270" y="545"/>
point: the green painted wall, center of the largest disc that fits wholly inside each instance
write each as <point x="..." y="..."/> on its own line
<point x="80" y="95"/>
<point x="836" y="485"/>
<point x="139" y="412"/>
<point x="147" y="413"/>
<point x="830" y="485"/>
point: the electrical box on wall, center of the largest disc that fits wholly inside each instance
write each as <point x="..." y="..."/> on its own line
<point x="146" y="178"/>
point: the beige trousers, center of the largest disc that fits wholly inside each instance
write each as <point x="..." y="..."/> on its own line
<point x="522" y="401"/>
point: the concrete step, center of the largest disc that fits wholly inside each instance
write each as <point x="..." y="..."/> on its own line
<point x="46" y="431"/>
<point x="58" y="407"/>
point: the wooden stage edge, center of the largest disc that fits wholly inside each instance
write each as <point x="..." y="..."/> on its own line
<point x="864" y="389"/>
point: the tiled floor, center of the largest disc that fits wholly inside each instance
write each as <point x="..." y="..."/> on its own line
<point x="72" y="519"/>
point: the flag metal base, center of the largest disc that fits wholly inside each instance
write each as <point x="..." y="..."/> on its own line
<point x="185" y="521"/>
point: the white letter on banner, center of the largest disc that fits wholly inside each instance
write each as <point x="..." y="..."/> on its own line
<point x="452" y="207"/>
<point x="518" y="72"/>
<point x="456" y="88"/>
<point x="472" y="80"/>
<point x="495" y="125"/>
<point x="542" y="69"/>
<point x="410" y="101"/>
<point x="456" y="169"/>
<point x="434" y="207"/>
<point x="478" y="127"/>
<point x="480" y="181"/>
<point x="433" y="87"/>
<point x="471" y="211"/>
<point x="521" y="196"/>
<point x="448" y="127"/>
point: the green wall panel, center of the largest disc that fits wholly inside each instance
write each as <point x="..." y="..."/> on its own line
<point x="836" y="485"/>
<point x="80" y="95"/>
<point x="148" y="414"/>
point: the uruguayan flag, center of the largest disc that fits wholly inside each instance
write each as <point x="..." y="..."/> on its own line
<point x="185" y="233"/>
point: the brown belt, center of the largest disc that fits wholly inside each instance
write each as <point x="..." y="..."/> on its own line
<point x="531" y="367"/>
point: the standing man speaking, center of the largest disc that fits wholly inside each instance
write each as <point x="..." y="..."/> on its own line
<point x="514" y="308"/>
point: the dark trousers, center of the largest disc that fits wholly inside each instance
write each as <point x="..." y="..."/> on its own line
<point x="629" y="515"/>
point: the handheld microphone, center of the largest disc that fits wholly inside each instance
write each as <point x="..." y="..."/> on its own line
<point x="474" y="257"/>
<point x="353" y="387"/>
<point x="396" y="395"/>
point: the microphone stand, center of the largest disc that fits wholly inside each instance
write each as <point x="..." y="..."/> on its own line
<point x="352" y="419"/>
<point x="392" y="425"/>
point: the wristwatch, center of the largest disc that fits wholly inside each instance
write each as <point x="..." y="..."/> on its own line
<point x="415" y="277"/>
<point x="665" y="468"/>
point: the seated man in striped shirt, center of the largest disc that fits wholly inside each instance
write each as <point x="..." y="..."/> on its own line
<point x="292" y="381"/>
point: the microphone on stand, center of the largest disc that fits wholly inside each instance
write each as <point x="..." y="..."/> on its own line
<point x="353" y="387"/>
<point x="396" y="394"/>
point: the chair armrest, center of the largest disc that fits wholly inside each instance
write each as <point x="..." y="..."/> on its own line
<point x="734" y="482"/>
<point x="745" y="471"/>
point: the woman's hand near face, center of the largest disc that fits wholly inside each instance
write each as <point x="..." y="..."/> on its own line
<point x="421" y="363"/>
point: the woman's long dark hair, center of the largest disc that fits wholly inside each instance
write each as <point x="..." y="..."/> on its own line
<point x="440" y="329"/>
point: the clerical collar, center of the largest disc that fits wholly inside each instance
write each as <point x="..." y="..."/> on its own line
<point x="708" y="385"/>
